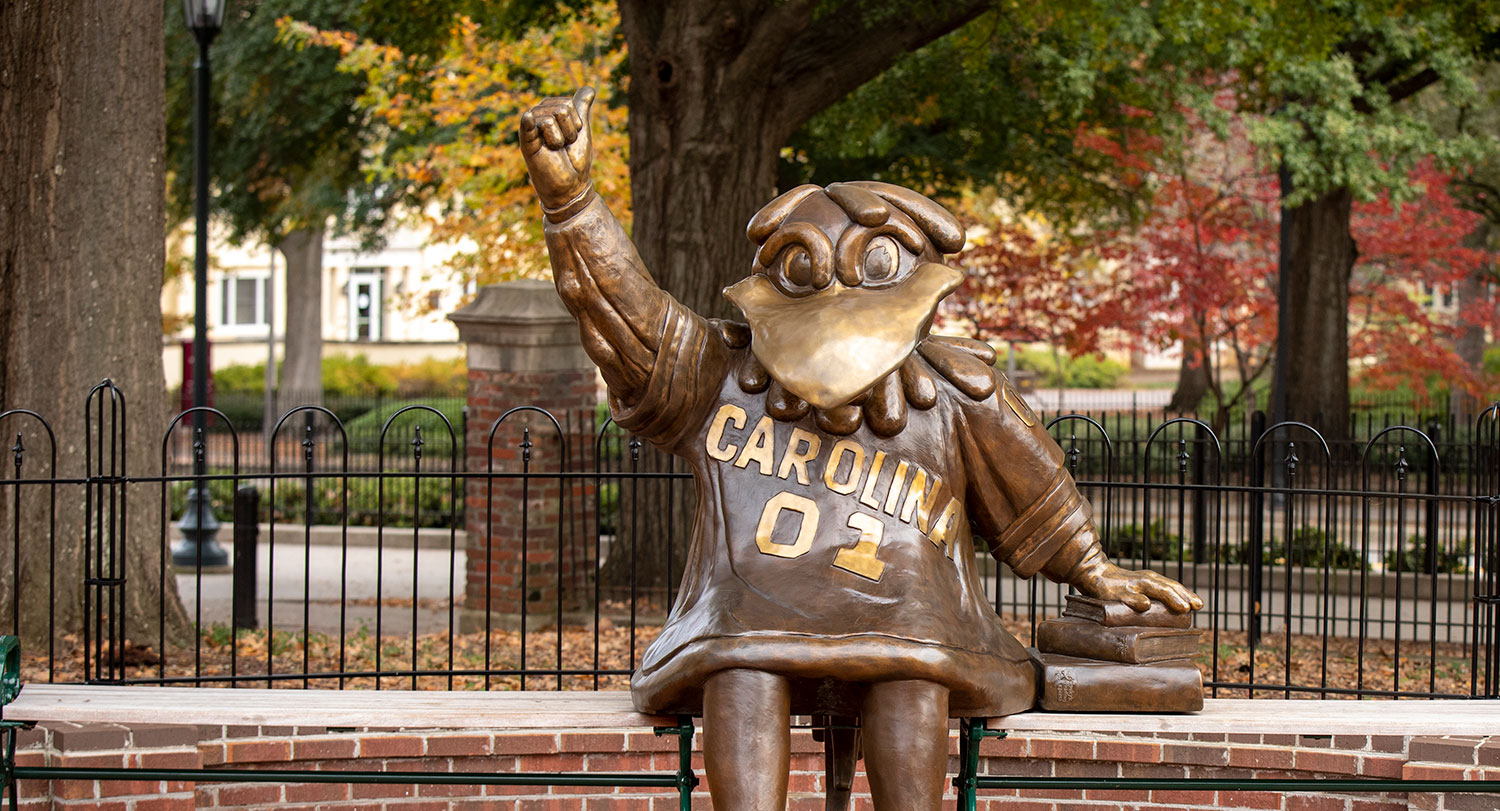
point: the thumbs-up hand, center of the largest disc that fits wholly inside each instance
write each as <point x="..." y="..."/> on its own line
<point x="556" y="142"/>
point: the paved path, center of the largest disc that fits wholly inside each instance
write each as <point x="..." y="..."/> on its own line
<point x="1082" y="400"/>
<point x="315" y="572"/>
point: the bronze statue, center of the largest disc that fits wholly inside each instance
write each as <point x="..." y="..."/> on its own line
<point x="841" y="455"/>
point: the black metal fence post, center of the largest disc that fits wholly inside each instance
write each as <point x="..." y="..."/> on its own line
<point x="246" y="536"/>
<point x="1485" y="472"/>
<point x="1430" y="508"/>
<point x="105" y="520"/>
<point x="1254" y="557"/>
<point x="1200" y="500"/>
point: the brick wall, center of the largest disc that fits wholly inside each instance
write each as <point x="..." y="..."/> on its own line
<point x="1161" y="755"/>
<point x="523" y="350"/>
<point x="494" y="507"/>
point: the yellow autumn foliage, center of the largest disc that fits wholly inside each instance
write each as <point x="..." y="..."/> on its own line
<point x="452" y="121"/>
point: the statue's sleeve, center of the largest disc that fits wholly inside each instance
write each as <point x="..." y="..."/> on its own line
<point x="663" y="363"/>
<point x="1020" y="496"/>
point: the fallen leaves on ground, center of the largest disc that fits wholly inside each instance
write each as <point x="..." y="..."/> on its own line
<point x="494" y="660"/>
<point x="1340" y="666"/>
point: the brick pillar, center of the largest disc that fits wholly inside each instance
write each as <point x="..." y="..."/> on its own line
<point x="524" y="350"/>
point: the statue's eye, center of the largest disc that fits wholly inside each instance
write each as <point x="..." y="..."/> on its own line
<point x="882" y="258"/>
<point x="799" y="267"/>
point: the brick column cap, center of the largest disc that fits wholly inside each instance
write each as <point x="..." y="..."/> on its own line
<point x="520" y="326"/>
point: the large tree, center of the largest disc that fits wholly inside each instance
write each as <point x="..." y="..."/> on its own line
<point x="1333" y="94"/>
<point x="81" y="260"/>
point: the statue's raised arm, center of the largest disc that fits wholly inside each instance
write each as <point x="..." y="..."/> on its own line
<point x="599" y="275"/>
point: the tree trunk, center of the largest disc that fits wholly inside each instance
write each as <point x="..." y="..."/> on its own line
<point x="1192" y="383"/>
<point x="1312" y="342"/>
<point x="81" y="258"/>
<point x="1469" y="345"/>
<point x="699" y="167"/>
<point x="302" y="364"/>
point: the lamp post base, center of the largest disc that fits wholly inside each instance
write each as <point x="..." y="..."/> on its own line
<point x="185" y="554"/>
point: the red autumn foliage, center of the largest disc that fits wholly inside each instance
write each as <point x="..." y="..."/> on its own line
<point x="1203" y="263"/>
<point x="1413" y="256"/>
<point x="1026" y="285"/>
<point x="1200" y="272"/>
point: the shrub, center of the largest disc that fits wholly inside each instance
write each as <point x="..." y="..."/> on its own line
<point x="398" y="499"/>
<point x="1086" y="372"/>
<point x="1311" y="546"/>
<point x="1412" y="557"/>
<point x="367" y="502"/>
<point x="221" y="491"/>
<point x="357" y="377"/>
<point x="245" y="411"/>
<point x="431" y="377"/>
<point x="1128" y="541"/>
<point x="352" y="386"/>
<point x="364" y="431"/>
<point x="240" y="379"/>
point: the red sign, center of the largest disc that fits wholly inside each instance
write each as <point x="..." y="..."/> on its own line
<point x="187" y="375"/>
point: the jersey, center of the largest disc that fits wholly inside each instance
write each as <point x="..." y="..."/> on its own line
<point x="838" y="559"/>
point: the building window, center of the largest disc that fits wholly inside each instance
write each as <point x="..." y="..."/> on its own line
<point x="242" y="298"/>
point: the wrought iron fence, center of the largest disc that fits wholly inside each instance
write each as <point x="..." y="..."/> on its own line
<point x="542" y="551"/>
<point x="360" y="420"/>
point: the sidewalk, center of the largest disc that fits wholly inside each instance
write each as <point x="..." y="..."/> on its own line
<point x="1097" y="399"/>
<point x="318" y="576"/>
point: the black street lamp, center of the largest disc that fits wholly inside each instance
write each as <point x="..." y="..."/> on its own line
<point x="204" y="19"/>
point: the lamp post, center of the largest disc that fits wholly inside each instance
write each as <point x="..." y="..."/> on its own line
<point x="204" y="19"/>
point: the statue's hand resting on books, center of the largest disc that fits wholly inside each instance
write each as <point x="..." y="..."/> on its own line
<point x="1097" y="577"/>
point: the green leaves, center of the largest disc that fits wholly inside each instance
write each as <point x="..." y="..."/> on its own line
<point x="448" y="128"/>
<point x="1328" y="89"/>
<point x="1001" y="101"/>
<point x="1331" y="94"/>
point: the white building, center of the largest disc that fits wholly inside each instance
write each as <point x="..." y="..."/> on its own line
<point x="389" y="305"/>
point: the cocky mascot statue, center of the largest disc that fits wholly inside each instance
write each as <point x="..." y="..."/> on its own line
<point x="841" y="455"/>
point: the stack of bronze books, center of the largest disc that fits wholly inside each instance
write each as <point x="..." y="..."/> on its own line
<point x="1103" y="656"/>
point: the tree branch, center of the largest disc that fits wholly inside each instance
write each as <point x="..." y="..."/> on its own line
<point x="1412" y="84"/>
<point x="1397" y="90"/>
<point x="773" y="31"/>
<point x="1480" y="197"/>
<point x="1388" y="72"/>
<point x="832" y="55"/>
